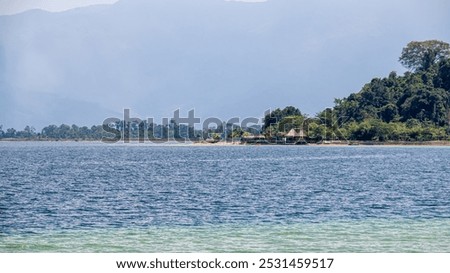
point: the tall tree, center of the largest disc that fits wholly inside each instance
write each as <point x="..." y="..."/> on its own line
<point x="443" y="77"/>
<point x="277" y="115"/>
<point x="422" y="55"/>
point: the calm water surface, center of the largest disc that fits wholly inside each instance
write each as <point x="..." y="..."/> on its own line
<point x="93" y="197"/>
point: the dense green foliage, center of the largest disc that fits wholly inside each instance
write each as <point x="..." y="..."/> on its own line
<point x="280" y="121"/>
<point x="414" y="106"/>
<point x="410" y="107"/>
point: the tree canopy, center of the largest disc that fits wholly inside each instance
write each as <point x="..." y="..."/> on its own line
<point x="423" y="55"/>
<point x="275" y="116"/>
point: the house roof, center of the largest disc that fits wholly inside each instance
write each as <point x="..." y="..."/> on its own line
<point x="293" y="133"/>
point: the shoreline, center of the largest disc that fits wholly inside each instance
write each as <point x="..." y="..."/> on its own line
<point x="436" y="143"/>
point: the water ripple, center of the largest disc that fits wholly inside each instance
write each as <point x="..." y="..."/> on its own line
<point x="54" y="187"/>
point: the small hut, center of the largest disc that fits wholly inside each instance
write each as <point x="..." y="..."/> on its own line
<point x="254" y="139"/>
<point x="294" y="136"/>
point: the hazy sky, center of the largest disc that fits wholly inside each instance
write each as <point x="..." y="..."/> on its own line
<point x="17" y="6"/>
<point x="223" y="58"/>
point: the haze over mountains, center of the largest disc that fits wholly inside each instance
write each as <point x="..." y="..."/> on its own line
<point x="223" y="58"/>
<point x="9" y="7"/>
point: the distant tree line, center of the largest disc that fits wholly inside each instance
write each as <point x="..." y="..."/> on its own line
<point x="53" y="132"/>
<point x="412" y="107"/>
<point x="128" y="130"/>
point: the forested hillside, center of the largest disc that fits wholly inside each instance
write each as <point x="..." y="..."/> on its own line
<point x="414" y="106"/>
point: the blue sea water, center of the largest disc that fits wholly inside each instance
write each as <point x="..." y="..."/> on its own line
<point x="95" y="197"/>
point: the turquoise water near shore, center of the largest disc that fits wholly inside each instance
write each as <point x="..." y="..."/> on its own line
<point x="93" y="197"/>
<point x="368" y="236"/>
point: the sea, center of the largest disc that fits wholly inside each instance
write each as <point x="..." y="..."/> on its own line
<point x="95" y="197"/>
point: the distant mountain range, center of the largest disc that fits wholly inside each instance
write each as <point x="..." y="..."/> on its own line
<point x="222" y="58"/>
<point x="10" y="7"/>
